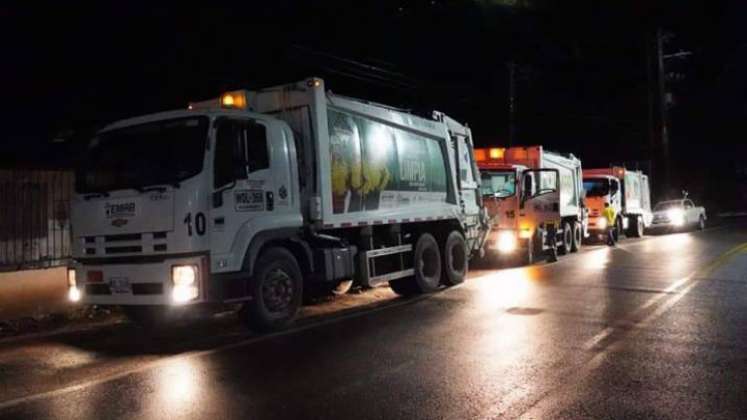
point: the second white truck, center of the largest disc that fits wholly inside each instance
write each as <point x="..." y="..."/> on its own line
<point x="256" y="195"/>
<point x="626" y="191"/>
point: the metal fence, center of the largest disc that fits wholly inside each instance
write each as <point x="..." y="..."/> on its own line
<point x="34" y="218"/>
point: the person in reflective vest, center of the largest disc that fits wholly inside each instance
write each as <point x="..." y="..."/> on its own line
<point x="609" y="214"/>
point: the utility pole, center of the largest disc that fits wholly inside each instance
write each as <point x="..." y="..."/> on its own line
<point x="652" y="133"/>
<point x="511" y="103"/>
<point x="664" y="134"/>
<point x="664" y="154"/>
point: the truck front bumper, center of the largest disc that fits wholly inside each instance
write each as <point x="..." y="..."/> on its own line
<point x="661" y="226"/>
<point x="506" y="241"/>
<point x="597" y="225"/>
<point x="172" y="281"/>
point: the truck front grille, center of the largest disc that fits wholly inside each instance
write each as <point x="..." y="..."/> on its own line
<point x="125" y="237"/>
<point x="123" y="249"/>
<point x="124" y="244"/>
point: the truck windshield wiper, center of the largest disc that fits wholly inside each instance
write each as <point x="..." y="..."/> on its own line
<point x="89" y="196"/>
<point x="156" y="187"/>
<point x="503" y="193"/>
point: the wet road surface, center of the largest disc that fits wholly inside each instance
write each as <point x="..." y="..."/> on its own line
<point x="652" y="329"/>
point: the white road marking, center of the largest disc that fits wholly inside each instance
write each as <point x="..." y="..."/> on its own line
<point x="547" y="400"/>
<point x="672" y="299"/>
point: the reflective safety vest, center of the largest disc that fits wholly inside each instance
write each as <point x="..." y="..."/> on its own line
<point x="609" y="214"/>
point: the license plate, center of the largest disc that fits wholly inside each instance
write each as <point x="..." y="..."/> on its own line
<point x="120" y="285"/>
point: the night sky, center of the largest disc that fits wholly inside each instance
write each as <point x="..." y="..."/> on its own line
<point x="582" y="72"/>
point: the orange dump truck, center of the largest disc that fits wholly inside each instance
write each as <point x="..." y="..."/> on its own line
<point x="534" y="199"/>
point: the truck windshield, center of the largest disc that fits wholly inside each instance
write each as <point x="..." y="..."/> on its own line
<point x="498" y="184"/>
<point x="162" y="152"/>
<point x="596" y="187"/>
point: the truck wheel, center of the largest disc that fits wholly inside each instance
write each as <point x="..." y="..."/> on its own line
<point x="576" y="237"/>
<point x="701" y="223"/>
<point x="567" y="239"/>
<point x="455" y="260"/>
<point x="636" y="228"/>
<point x="427" y="264"/>
<point x="276" y="288"/>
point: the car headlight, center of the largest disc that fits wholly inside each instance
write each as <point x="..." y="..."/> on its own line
<point x="73" y="293"/>
<point x="184" y="278"/>
<point x="506" y="241"/>
<point x="676" y="216"/>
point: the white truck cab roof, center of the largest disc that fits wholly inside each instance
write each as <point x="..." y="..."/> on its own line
<point x="166" y="115"/>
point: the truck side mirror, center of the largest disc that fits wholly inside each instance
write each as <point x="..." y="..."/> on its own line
<point x="526" y="190"/>
<point x="528" y="184"/>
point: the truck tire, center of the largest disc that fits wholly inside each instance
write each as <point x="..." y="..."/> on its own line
<point x="577" y="237"/>
<point x="566" y="239"/>
<point x="636" y="227"/>
<point x="455" y="260"/>
<point x="427" y="264"/>
<point x="276" y="289"/>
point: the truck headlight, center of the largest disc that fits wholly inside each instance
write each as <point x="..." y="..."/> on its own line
<point x="506" y="242"/>
<point x="184" y="278"/>
<point x="676" y="217"/>
<point x="73" y="293"/>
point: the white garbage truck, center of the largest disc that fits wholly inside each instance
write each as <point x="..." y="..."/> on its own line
<point x="627" y="191"/>
<point x="534" y="200"/>
<point x="255" y="195"/>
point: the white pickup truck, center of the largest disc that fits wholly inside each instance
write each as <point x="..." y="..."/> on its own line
<point x="678" y="214"/>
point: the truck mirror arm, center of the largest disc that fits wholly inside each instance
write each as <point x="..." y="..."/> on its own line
<point x="218" y="194"/>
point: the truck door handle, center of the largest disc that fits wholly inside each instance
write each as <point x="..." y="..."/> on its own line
<point x="270" y="200"/>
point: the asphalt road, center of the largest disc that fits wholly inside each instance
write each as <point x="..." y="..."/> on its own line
<point x="652" y="329"/>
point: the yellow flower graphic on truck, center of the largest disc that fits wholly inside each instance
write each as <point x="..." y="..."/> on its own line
<point x="340" y="177"/>
<point x="374" y="164"/>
